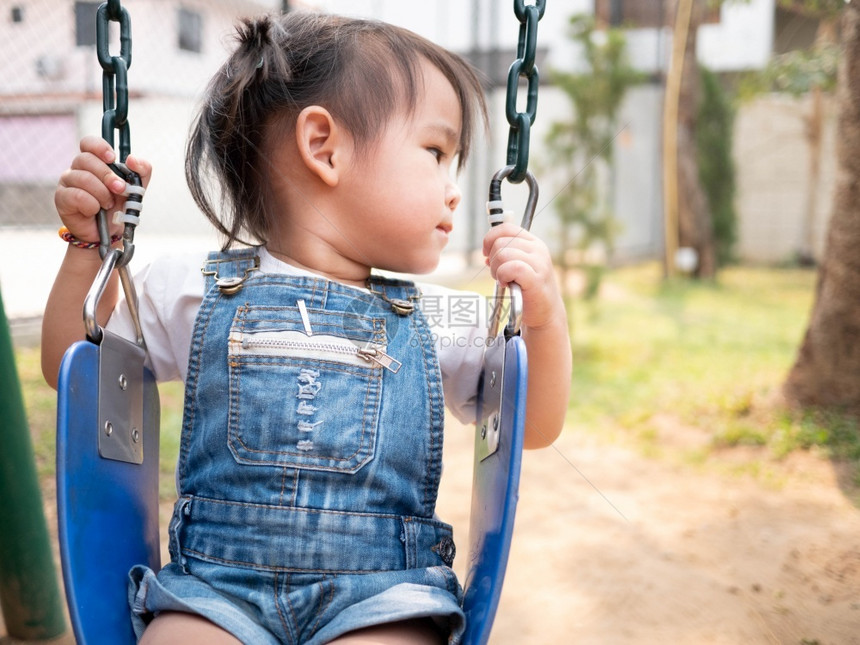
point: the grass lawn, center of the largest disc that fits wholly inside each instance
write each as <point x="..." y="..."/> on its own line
<point x="653" y="363"/>
<point x="706" y="357"/>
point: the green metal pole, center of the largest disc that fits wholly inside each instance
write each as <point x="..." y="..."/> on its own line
<point x="29" y="593"/>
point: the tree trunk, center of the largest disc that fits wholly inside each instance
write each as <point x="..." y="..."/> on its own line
<point x="695" y="229"/>
<point x="814" y="127"/>
<point x="827" y="369"/>
<point x="814" y="123"/>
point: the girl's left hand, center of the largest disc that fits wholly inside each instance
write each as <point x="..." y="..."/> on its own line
<point x="513" y="254"/>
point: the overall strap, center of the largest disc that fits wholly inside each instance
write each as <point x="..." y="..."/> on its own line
<point x="228" y="270"/>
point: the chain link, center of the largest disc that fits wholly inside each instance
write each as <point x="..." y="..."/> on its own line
<point x="523" y="67"/>
<point x="115" y="118"/>
<point x="114" y="74"/>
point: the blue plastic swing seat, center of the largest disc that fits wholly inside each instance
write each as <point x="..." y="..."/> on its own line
<point x="495" y="491"/>
<point x="108" y="508"/>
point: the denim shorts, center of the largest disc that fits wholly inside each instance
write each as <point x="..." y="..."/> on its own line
<point x="262" y="608"/>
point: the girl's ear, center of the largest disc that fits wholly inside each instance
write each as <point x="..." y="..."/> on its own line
<point x="321" y="143"/>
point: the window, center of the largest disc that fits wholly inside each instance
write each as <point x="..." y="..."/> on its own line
<point x="642" y="13"/>
<point x="190" y="31"/>
<point x="85" y="23"/>
<point x="793" y="30"/>
<point x="17" y="14"/>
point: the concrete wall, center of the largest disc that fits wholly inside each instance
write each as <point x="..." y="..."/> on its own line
<point x="637" y="181"/>
<point x="772" y="157"/>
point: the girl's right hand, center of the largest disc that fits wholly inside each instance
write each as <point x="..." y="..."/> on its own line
<point x="89" y="184"/>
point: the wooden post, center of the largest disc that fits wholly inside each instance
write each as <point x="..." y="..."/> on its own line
<point x="670" y="134"/>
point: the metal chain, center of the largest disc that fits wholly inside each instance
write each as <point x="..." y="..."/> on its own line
<point x="523" y="67"/>
<point x="114" y="74"/>
<point x="517" y="169"/>
<point x="115" y="118"/>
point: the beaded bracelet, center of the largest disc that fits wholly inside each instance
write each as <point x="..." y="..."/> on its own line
<point x="66" y="236"/>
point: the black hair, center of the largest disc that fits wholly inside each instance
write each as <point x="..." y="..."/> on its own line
<point x="361" y="71"/>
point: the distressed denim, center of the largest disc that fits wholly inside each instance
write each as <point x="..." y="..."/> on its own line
<point x="309" y="463"/>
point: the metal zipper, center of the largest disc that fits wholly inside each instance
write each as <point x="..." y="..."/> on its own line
<point x="345" y="348"/>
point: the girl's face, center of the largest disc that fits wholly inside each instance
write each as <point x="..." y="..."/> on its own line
<point x="401" y="191"/>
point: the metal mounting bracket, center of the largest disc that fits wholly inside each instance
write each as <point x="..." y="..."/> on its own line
<point x="492" y="378"/>
<point x="120" y="399"/>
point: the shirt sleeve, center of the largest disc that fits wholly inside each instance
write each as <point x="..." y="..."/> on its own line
<point x="169" y="293"/>
<point x="458" y="322"/>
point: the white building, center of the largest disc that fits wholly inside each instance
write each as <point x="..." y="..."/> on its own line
<point x="738" y="36"/>
<point x="50" y="96"/>
<point x="770" y="150"/>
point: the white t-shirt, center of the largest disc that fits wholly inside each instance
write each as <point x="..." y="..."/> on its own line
<point x="171" y="289"/>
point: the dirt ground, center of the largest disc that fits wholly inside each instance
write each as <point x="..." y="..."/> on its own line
<point x="614" y="547"/>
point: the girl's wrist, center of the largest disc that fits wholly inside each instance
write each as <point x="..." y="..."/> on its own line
<point x="72" y="241"/>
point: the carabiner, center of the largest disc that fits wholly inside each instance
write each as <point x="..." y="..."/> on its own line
<point x="496" y="215"/>
<point x="117" y="258"/>
<point x="134" y="192"/>
<point x="91" y="302"/>
<point x="494" y="204"/>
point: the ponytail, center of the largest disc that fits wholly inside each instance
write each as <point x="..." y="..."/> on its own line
<point x="361" y="71"/>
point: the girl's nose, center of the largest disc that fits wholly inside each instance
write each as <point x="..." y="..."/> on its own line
<point x="452" y="195"/>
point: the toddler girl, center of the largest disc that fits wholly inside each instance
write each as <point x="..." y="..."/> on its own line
<point x="315" y="389"/>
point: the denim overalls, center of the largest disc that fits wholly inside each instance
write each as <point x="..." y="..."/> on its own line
<point x="309" y="464"/>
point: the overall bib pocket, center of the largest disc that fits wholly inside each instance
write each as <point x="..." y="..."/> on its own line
<point x="324" y="368"/>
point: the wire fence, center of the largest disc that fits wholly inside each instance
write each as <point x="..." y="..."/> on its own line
<point x="51" y="90"/>
<point x="51" y="95"/>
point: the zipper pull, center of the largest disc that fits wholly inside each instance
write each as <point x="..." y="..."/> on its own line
<point x="380" y="358"/>
<point x="306" y="321"/>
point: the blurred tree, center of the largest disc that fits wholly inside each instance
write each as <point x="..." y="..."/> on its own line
<point x="577" y="149"/>
<point x="827" y="369"/>
<point x="698" y="177"/>
<point x="714" y="136"/>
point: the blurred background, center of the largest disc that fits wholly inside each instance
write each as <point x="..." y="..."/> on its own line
<point x="50" y="96"/>
<point x="698" y="194"/>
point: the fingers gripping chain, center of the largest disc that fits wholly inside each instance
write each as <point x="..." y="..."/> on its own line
<point x="115" y="118"/>
<point x="496" y="214"/>
<point x="516" y="169"/>
<point x="134" y="192"/>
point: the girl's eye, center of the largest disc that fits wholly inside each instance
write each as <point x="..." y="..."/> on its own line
<point x="436" y="152"/>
